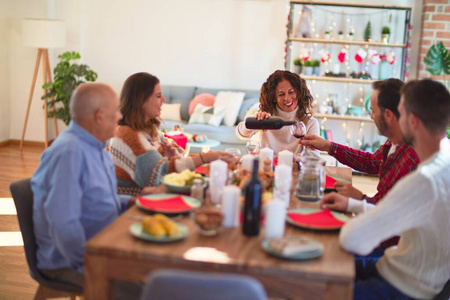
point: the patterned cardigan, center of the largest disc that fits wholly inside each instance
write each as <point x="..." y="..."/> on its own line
<point x="139" y="162"/>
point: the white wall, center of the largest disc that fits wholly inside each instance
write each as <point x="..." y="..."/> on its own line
<point x="208" y="43"/>
<point x="5" y="30"/>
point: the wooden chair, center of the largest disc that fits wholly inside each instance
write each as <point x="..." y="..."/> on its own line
<point x="189" y="285"/>
<point x="23" y="199"/>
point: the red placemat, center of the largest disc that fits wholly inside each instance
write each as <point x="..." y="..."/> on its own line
<point x="323" y="218"/>
<point x="201" y="170"/>
<point x="329" y="182"/>
<point x="171" y="204"/>
<point x="180" y="139"/>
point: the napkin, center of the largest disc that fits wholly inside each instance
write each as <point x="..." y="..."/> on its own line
<point x="322" y="218"/>
<point x="180" y="139"/>
<point x="170" y="204"/>
<point x="201" y="170"/>
<point x="329" y="182"/>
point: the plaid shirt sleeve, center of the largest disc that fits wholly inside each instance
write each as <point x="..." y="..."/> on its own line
<point x="361" y="161"/>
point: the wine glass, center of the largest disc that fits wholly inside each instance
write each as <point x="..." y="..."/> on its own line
<point x="298" y="130"/>
<point x="236" y="154"/>
<point x="253" y="147"/>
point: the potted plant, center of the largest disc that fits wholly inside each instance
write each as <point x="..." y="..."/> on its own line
<point x="298" y="64"/>
<point x="316" y="67"/>
<point x="67" y="76"/>
<point x="438" y="62"/>
<point x="327" y="35"/>
<point x="350" y="36"/>
<point x="341" y="35"/>
<point x="385" y="32"/>
<point x="308" y="67"/>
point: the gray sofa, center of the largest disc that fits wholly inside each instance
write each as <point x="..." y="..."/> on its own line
<point x="225" y="134"/>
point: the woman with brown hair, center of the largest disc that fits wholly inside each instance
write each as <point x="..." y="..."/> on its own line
<point x="140" y="154"/>
<point x="286" y="95"/>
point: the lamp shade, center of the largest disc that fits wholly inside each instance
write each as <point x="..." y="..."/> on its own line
<point x="43" y="33"/>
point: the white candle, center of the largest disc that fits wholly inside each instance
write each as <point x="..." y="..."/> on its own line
<point x="231" y="205"/>
<point x="263" y="154"/>
<point x="275" y="219"/>
<point x="218" y="178"/>
<point x="285" y="157"/>
<point x="336" y="69"/>
<point x="247" y="162"/>
<point x="283" y="182"/>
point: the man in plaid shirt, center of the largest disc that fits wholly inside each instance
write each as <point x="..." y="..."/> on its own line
<point x="391" y="161"/>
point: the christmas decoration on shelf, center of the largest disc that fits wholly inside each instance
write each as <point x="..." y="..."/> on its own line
<point x="361" y="75"/>
<point x="368" y="33"/>
<point x="325" y="56"/>
<point x="374" y="57"/>
<point x="343" y="54"/>
<point x="360" y="55"/>
<point x="303" y="28"/>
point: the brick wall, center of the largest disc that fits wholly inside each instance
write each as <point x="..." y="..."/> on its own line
<point x="435" y="28"/>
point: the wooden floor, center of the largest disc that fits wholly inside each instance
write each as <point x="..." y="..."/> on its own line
<point x="15" y="281"/>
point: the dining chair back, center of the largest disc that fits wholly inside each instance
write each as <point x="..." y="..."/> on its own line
<point x="188" y="285"/>
<point x="23" y="200"/>
<point x="445" y="293"/>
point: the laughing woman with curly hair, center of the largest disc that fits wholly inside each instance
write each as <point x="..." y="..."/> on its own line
<point x="284" y="94"/>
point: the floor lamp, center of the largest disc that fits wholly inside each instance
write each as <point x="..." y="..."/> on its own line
<point x="42" y="34"/>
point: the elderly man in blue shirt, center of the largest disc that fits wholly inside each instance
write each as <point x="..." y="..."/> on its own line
<point x="75" y="188"/>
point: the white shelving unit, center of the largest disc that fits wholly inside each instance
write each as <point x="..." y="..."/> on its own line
<point x="347" y="91"/>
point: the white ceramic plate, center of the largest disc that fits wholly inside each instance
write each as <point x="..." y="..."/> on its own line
<point x="298" y="256"/>
<point x="192" y="202"/>
<point x="137" y="231"/>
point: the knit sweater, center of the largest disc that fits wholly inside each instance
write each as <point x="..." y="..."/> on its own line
<point x="139" y="162"/>
<point x="280" y="139"/>
<point x="417" y="208"/>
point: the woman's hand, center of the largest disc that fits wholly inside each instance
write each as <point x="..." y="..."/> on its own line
<point x="168" y="149"/>
<point x="215" y="155"/>
<point x="261" y="115"/>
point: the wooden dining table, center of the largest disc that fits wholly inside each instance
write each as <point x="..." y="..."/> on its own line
<point x="114" y="254"/>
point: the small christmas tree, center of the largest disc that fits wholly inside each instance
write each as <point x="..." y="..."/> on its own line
<point x="367" y="32"/>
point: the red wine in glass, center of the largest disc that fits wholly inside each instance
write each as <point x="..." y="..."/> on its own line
<point x="298" y="136"/>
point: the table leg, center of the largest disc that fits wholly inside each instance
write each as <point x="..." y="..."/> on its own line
<point x="96" y="283"/>
<point x="206" y="149"/>
<point x="188" y="149"/>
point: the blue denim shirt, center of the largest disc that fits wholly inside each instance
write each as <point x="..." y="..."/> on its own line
<point x="75" y="196"/>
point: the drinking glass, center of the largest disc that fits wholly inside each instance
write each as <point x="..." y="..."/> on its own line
<point x="298" y="130"/>
<point x="253" y="147"/>
<point x="236" y="156"/>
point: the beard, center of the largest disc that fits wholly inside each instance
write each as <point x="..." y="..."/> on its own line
<point x="382" y="126"/>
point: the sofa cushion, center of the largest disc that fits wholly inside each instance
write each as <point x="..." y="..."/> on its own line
<point x="171" y="111"/>
<point x="207" y="115"/>
<point x="245" y="107"/>
<point x="232" y="102"/>
<point x="180" y="94"/>
<point x="204" y="99"/>
<point x="248" y="93"/>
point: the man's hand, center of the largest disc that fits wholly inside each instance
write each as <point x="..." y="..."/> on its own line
<point x="315" y="142"/>
<point x="334" y="201"/>
<point x="348" y="190"/>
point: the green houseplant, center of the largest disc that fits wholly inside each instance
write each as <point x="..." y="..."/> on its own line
<point x="438" y="62"/>
<point x="298" y="64"/>
<point x="67" y="76"/>
<point x="385" y="32"/>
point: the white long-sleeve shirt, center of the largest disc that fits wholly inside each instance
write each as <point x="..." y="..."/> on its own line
<point x="281" y="139"/>
<point x="418" y="209"/>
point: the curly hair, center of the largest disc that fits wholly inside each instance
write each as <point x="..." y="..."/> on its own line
<point x="136" y="90"/>
<point x="268" y="97"/>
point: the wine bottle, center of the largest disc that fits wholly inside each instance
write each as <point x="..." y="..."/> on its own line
<point x="269" y="123"/>
<point x="252" y="205"/>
